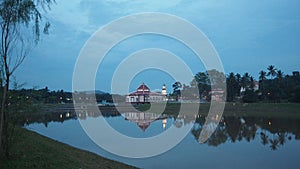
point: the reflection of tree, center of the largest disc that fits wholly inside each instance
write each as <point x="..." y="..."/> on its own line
<point x="274" y="144"/>
<point x="233" y="127"/>
<point x="61" y="115"/>
<point x="238" y="129"/>
<point x="218" y="137"/>
<point x="282" y="138"/>
<point x="196" y="132"/>
<point x="264" y="138"/>
<point x="249" y="133"/>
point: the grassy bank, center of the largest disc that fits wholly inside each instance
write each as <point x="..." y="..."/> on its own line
<point x="240" y="109"/>
<point x="287" y="110"/>
<point x="31" y="150"/>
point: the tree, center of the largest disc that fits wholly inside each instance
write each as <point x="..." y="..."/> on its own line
<point x="201" y="80"/>
<point x="176" y="89"/>
<point x="15" y="18"/>
<point x="262" y="78"/>
<point x="216" y="78"/>
<point x="245" y="81"/>
<point x="279" y="74"/>
<point x="250" y="96"/>
<point x="272" y="71"/>
<point x="232" y="87"/>
<point x="279" y="77"/>
<point x="252" y="83"/>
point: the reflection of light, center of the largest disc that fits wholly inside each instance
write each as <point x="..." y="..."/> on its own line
<point x="60" y="115"/>
<point x="164" y="122"/>
<point x="270" y="123"/>
<point x="242" y="120"/>
<point x="68" y="114"/>
<point x="217" y="116"/>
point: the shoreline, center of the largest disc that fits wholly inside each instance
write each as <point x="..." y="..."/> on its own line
<point x="32" y="150"/>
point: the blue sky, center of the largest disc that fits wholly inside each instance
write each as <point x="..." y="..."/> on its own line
<point x="248" y="36"/>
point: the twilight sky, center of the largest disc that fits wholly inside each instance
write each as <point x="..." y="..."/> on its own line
<point x="247" y="35"/>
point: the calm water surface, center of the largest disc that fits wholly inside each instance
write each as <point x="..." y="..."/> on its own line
<point x="238" y="142"/>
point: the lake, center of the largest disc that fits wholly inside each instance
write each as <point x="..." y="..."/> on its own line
<point x="238" y="142"/>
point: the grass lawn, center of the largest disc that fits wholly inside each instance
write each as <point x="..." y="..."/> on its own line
<point x="31" y="150"/>
<point x="239" y="109"/>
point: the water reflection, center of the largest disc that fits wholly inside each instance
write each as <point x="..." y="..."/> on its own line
<point x="143" y="119"/>
<point x="271" y="132"/>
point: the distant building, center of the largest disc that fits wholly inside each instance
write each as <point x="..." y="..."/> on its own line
<point x="296" y="73"/>
<point x="255" y="87"/>
<point x="217" y="94"/>
<point x="144" y="95"/>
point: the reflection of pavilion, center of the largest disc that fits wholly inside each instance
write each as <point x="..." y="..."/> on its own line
<point x="144" y="119"/>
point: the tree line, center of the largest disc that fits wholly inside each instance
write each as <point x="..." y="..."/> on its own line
<point x="272" y="86"/>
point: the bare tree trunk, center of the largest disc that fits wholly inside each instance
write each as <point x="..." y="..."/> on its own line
<point x="5" y="90"/>
<point x="6" y="120"/>
<point x="4" y="114"/>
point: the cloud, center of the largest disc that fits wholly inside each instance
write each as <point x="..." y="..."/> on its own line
<point x="240" y="30"/>
<point x="72" y="15"/>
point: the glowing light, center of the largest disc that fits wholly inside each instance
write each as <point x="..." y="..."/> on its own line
<point x="270" y="123"/>
<point x="164" y="122"/>
<point x="217" y="116"/>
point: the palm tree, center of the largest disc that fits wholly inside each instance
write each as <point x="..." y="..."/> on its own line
<point x="279" y="74"/>
<point x="272" y="71"/>
<point x="279" y="77"/>
<point x="239" y="82"/>
<point x="262" y="75"/>
<point x="252" y="83"/>
<point x="245" y="80"/>
<point x="262" y="78"/>
<point x="232" y="87"/>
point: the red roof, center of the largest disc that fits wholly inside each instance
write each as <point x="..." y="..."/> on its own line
<point x="143" y="125"/>
<point x="144" y="90"/>
<point x="143" y="87"/>
<point x="139" y="93"/>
